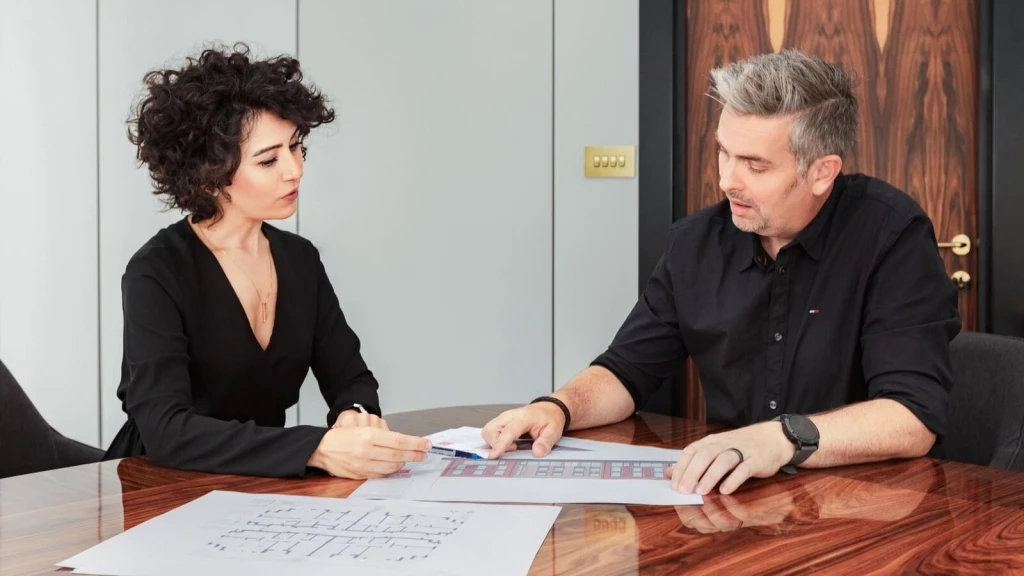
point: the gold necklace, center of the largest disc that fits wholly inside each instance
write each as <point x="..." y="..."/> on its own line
<point x="263" y="301"/>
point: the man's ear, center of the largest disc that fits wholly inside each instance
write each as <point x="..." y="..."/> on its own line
<point x="822" y="172"/>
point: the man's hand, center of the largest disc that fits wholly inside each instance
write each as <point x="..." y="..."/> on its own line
<point x="354" y="419"/>
<point x="703" y="464"/>
<point x="543" y="421"/>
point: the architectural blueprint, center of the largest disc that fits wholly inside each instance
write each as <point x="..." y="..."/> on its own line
<point x="235" y="533"/>
<point x="577" y="471"/>
<point x="284" y="531"/>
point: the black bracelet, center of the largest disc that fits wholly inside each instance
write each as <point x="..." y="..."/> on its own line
<point x="560" y="404"/>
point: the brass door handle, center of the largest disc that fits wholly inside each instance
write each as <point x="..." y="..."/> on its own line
<point x="961" y="279"/>
<point x="961" y="244"/>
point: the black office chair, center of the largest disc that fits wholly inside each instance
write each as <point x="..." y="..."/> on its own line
<point x="27" y="442"/>
<point x="986" y="424"/>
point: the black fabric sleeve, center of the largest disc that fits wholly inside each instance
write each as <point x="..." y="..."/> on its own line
<point x="159" y="398"/>
<point x="648" y="347"/>
<point x="910" y="317"/>
<point x="337" y="363"/>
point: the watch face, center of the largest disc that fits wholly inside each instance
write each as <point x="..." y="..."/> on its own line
<point x="804" y="429"/>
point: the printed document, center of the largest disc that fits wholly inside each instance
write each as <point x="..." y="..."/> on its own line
<point x="256" y="534"/>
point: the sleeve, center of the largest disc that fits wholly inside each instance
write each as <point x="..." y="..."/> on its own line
<point x="337" y="363"/>
<point x="648" y="348"/>
<point x="910" y="317"/>
<point x="159" y="399"/>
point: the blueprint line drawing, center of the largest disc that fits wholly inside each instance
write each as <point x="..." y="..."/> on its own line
<point x="285" y="531"/>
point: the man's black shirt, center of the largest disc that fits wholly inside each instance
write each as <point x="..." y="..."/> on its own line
<point x="857" y="307"/>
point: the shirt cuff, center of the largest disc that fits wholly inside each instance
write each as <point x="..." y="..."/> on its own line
<point x="926" y="399"/>
<point x="604" y="362"/>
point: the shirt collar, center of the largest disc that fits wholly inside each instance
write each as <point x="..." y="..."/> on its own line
<point x="815" y="234"/>
<point x="749" y="251"/>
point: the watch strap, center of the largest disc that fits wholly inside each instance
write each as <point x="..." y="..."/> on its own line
<point x="803" y="452"/>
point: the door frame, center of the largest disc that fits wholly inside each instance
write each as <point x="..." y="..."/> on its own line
<point x="662" y="159"/>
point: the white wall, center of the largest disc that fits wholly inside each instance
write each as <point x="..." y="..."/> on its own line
<point x="48" y="292"/>
<point x="596" y="236"/>
<point x="470" y="254"/>
<point x="135" y="37"/>
<point x="431" y="200"/>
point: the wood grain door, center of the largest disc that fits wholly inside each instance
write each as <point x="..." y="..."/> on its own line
<point x="916" y="62"/>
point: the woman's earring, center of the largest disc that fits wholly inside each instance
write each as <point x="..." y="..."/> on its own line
<point x="303" y="148"/>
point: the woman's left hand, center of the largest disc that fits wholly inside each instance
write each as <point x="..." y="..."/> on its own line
<point x="356" y="419"/>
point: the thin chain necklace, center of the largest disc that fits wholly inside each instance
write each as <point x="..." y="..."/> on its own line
<point x="263" y="301"/>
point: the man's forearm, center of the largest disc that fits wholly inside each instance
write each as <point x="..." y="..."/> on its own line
<point x="595" y="397"/>
<point x="868" y="432"/>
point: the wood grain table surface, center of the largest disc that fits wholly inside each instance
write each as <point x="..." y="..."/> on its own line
<point x="920" y="516"/>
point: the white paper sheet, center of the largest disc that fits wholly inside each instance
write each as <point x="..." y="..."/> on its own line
<point x="471" y="439"/>
<point x="583" y="471"/>
<point x="235" y="533"/>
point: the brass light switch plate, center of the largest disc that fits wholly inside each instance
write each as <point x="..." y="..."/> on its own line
<point x="609" y="161"/>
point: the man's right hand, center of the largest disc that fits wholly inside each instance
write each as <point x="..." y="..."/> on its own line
<point x="361" y="453"/>
<point x="542" y="421"/>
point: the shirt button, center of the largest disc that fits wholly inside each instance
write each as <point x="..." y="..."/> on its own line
<point x="782" y="270"/>
<point x="773" y="405"/>
<point x="778" y="336"/>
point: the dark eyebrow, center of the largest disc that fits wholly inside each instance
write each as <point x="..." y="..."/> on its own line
<point x="274" y="147"/>
<point x="756" y="159"/>
<point x="267" y="149"/>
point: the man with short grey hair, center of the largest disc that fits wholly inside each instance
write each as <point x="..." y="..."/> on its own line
<point x="814" y="303"/>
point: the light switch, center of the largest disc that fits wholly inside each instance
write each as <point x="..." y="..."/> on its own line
<point x="609" y="161"/>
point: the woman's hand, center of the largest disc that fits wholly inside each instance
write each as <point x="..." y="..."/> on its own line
<point x="366" y="452"/>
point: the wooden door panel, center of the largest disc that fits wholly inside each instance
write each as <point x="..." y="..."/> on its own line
<point x="917" y="79"/>
<point x="931" y="122"/>
<point x="718" y="32"/>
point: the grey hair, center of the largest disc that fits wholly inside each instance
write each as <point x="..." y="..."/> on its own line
<point x="818" y="93"/>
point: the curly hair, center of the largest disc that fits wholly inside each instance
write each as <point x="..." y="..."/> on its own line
<point x="190" y="124"/>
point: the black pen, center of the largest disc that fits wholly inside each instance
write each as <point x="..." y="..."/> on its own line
<point x="453" y="452"/>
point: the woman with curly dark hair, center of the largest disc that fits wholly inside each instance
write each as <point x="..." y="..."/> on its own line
<point x="224" y="314"/>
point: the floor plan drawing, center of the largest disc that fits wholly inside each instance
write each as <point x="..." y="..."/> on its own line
<point x="225" y="532"/>
<point x="289" y="531"/>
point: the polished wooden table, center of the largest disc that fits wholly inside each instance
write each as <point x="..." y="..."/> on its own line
<point x="919" y="516"/>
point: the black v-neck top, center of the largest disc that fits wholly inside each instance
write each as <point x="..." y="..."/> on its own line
<point x="199" y="390"/>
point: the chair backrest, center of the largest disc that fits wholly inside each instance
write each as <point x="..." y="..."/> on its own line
<point x="987" y="401"/>
<point x="27" y="442"/>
